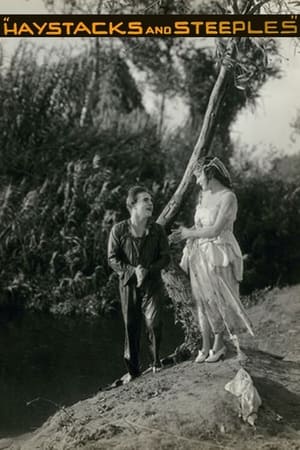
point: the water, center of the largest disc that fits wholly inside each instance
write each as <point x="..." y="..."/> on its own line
<point x="60" y="361"/>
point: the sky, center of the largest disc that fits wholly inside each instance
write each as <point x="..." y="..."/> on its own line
<point x="265" y="127"/>
<point x="268" y="125"/>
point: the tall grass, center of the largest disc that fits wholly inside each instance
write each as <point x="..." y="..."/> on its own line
<point x="67" y="161"/>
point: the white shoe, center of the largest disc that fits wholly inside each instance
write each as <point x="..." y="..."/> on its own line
<point x="201" y="357"/>
<point x="126" y="378"/>
<point x="216" y="356"/>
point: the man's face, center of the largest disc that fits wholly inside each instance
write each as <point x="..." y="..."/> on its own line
<point x="143" y="206"/>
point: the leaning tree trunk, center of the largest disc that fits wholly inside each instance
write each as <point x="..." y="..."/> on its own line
<point x="202" y="146"/>
<point x="176" y="282"/>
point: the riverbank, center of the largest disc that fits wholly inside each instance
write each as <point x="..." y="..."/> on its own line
<point x="186" y="406"/>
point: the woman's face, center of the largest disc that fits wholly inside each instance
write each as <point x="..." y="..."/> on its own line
<point x="201" y="179"/>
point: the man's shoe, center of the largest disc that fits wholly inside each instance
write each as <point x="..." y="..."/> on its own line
<point x="156" y="369"/>
<point x="127" y="378"/>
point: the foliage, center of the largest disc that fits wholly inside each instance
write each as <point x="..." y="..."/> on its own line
<point x="119" y="7"/>
<point x="60" y="228"/>
<point x="48" y="101"/>
<point x="170" y="6"/>
<point x="178" y="287"/>
<point x="296" y="125"/>
<point x="287" y="168"/>
<point x="267" y="229"/>
<point x="74" y="138"/>
<point x="64" y="182"/>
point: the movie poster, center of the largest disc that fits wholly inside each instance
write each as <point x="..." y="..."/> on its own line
<point x="98" y="96"/>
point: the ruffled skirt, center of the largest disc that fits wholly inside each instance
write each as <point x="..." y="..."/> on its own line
<point x="215" y="268"/>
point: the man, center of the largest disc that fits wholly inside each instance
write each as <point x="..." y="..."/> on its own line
<point x="137" y="250"/>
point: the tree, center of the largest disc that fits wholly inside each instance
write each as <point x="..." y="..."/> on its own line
<point x="231" y="68"/>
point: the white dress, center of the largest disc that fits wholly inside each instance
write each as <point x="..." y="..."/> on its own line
<point x="215" y="267"/>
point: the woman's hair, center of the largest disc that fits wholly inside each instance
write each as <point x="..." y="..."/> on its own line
<point x="133" y="192"/>
<point x="213" y="167"/>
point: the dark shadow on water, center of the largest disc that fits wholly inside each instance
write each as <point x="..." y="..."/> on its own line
<point x="60" y="361"/>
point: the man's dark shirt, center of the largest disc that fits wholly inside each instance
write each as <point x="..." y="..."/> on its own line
<point x="126" y="252"/>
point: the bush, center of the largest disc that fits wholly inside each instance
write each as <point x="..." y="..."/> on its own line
<point x="267" y="228"/>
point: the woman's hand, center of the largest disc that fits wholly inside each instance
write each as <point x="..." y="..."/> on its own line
<point x="186" y="233"/>
<point x="181" y="234"/>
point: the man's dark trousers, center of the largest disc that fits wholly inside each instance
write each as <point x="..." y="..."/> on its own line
<point x="136" y="304"/>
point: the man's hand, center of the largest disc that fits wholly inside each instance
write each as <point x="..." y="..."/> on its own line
<point x="140" y="273"/>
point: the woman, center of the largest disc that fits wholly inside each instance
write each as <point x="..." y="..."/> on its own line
<point x="213" y="259"/>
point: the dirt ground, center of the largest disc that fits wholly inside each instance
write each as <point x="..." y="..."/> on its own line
<point x="185" y="406"/>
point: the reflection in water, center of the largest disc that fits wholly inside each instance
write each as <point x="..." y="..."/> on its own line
<point x="60" y="361"/>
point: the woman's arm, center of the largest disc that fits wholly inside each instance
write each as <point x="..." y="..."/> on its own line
<point x="228" y="202"/>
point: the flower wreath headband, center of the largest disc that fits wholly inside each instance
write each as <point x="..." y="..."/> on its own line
<point x="217" y="164"/>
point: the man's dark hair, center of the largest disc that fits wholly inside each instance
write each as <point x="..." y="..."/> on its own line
<point x="133" y="192"/>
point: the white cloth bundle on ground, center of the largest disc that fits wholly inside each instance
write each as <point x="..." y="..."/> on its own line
<point x="242" y="387"/>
